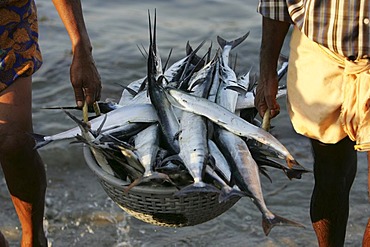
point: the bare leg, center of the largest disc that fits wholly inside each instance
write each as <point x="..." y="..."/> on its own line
<point x="3" y="242"/>
<point x="334" y="170"/>
<point x="22" y="166"/>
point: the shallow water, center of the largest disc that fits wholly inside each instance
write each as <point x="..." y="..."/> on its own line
<point x="78" y="211"/>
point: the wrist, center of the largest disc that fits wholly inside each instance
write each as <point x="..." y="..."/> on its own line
<point x="82" y="47"/>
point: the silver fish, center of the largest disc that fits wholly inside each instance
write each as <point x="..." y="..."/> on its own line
<point x="226" y="97"/>
<point x="89" y="139"/>
<point x="227" y="120"/>
<point x="194" y="151"/>
<point x="193" y="134"/>
<point x="227" y="191"/>
<point x="146" y="148"/>
<point x="246" y="175"/>
<point x="121" y="116"/>
<point x="166" y="117"/>
<point x="131" y="91"/>
<point x="221" y="172"/>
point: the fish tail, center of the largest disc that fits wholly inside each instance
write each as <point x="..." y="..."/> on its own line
<point x="199" y="187"/>
<point x="295" y="173"/>
<point x="295" y="169"/>
<point x="39" y="140"/>
<point x="268" y="224"/>
<point x="234" y="43"/>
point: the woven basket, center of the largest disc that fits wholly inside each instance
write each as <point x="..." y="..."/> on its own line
<point x="158" y="205"/>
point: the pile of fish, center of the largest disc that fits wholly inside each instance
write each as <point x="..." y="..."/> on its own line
<point x="191" y="125"/>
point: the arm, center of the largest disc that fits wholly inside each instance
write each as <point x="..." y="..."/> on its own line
<point x="84" y="75"/>
<point x="273" y="35"/>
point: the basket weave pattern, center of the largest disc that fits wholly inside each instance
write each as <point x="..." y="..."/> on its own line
<point x="158" y="205"/>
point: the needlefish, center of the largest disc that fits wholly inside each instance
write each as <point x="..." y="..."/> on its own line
<point x="227" y="120"/>
<point x="119" y="118"/>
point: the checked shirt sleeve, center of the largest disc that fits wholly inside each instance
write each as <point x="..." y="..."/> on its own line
<point x="274" y="9"/>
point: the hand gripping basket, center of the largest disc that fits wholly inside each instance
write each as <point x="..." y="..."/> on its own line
<point x="158" y="205"/>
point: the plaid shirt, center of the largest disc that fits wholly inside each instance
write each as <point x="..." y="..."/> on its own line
<point x="340" y="25"/>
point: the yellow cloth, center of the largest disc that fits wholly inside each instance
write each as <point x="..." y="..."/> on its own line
<point x="328" y="95"/>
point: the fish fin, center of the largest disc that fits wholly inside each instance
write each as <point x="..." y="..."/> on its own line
<point x="167" y="60"/>
<point x="99" y="130"/>
<point x="174" y="157"/>
<point x="199" y="187"/>
<point x="222" y="42"/>
<point x="39" y="140"/>
<point x="130" y="90"/>
<point x="238" y="88"/>
<point x="268" y="224"/>
<point x="154" y="176"/>
<point x="119" y="143"/>
<point x="263" y="171"/>
<point x="142" y="50"/>
<point x="80" y="123"/>
<point x="228" y="192"/>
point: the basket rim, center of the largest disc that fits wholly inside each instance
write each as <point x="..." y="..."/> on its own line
<point x="119" y="183"/>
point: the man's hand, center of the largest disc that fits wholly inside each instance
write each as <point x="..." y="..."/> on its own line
<point x="266" y="96"/>
<point x="85" y="78"/>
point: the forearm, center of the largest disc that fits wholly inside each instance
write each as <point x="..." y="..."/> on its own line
<point x="70" y="12"/>
<point x="273" y="35"/>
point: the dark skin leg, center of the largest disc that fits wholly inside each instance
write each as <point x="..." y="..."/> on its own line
<point x="335" y="167"/>
<point x="22" y="166"/>
<point x="3" y="242"/>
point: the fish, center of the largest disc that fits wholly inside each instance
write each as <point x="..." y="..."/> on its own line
<point x="194" y="152"/>
<point x="226" y="97"/>
<point x="193" y="135"/>
<point x="167" y="119"/>
<point x="146" y="145"/>
<point x="131" y="91"/>
<point x="88" y="139"/>
<point x="104" y="107"/>
<point x="221" y="172"/>
<point x="143" y="113"/>
<point x="245" y="98"/>
<point x="227" y="192"/>
<point x="246" y="175"/>
<point x="134" y="165"/>
<point x="266" y="157"/>
<point x="226" y="119"/>
<point x="183" y="68"/>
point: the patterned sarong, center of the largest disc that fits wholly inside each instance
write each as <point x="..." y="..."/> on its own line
<point x="19" y="50"/>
